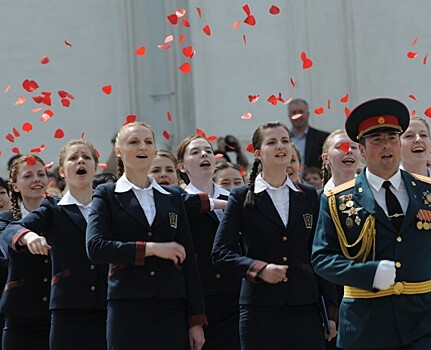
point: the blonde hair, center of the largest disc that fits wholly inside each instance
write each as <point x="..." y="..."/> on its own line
<point x="326" y="171"/>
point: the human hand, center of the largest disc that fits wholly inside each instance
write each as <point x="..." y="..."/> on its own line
<point x="332" y="330"/>
<point x="385" y="275"/>
<point x="167" y="250"/>
<point x="36" y="244"/>
<point x="273" y="273"/>
<point x="196" y="337"/>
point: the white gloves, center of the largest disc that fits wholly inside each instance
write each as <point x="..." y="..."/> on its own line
<point x="385" y="275"/>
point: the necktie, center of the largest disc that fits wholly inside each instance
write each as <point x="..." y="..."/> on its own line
<point x="395" y="211"/>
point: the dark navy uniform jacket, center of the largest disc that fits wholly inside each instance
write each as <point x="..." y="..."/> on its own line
<point x="267" y="240"/>
<point x="27" y="289"/>
<point x="76" y="282"/>
<point x="117" y="233"/>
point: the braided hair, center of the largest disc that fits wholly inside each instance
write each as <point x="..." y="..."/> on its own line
<point x="257" y="167"/>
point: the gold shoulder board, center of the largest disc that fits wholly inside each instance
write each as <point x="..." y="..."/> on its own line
<point x="340" y="188"/>
<point x="422" y="178"/>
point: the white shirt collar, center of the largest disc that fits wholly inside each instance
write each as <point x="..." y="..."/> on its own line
<point x="124" y="185"/>
<point x="23" y="210"/>
<point x="261" y="185"/>
<point x="329" y="185"/>
<point x="218" y="190"/>
<point x="377" y="182"/>
<point x="68" y="199"/>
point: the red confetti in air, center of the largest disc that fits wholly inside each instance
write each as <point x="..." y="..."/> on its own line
<point x="166" y="135"/>
<point x="211" y="138"/>
<point x="48" y="166"/>
<point x="207" y="30"/>
<point x="82" y="137"/>
<point x="280" y="98"/>
<point x="20" y="100"/>
<point x="30" y="85"/>
<point x="306" y="61"/>
<point x="246" y="9"/>
<point x="319" y="110"/>
<point x="346" y="112"/>
<point x="7" y="89"/>
<point x="292" y="83"/>
<point x="413" y="113"/>
<point x="36" y="110"/>
<point x="415" y="41"/>
<point x="27" y="127"/>
<point x="296" y="116"/>
<point x="185" y="23"/>
<point x="140" y="51"/>
<point x="44" y="60"/>
<point x="188" y="51"/>
<point x="102" y="165"/>
<point x="246" y="116"/>
<point x="185" y="68"/>
<point x="413" y="97"/>
<point x="242" y="171"/>
<point x="344" y="99"/>
<point x="250" y="20"/>
<point x="65" y="102"/>
<point x="244" y="38"/>
<point x="344" y="147"/>
<point x="235" y="25"/>
<point x="329" y="104"/>
<point x="428" y="112"/>
<point x="38" y="149"/>
<point x="198" y="9"/>
<point x="272" y="99"/>
<point x="219" y="155"/>
<point x="107" y="89"/>
<point x="180" y="12"/>
<point x="15" y="150"/>
<point x="164" y="47"/>
<point x="181" y="39"/>
<point x="250" y="148"/>
<point x="10" y="138"/>
<point x="30" y="160"/>
<point x="168" y="39"/>
<point x="16" y="132"/>
<point x="412" y="54"/>
<point x="65" y="94"/>
<point x="173" y="18"/>
<point x="131" y="118"/>
<point x="97" y="152"/>
<point x="67" y="43"/>
<point x="59" y="134"/>
<point x="274" y="10"/>
<point x="46" y="115"/>
<point x="424" y="61"/>
<point x="200" y="132"/>
<point x="168" y="114"/>
<point x="253" y="98"/>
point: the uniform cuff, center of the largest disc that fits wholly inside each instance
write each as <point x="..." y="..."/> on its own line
<point x="255" y="269"/>
<point x="205" y="203"/>
<point x="198" y="320"/>
<point x="140" y="253"/>
<point x="17" y="236"/>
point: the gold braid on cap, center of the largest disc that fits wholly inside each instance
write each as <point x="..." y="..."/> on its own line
<point x="367" y="237"/>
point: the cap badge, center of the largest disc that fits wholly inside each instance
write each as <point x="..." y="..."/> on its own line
<point x="381" y="120"/>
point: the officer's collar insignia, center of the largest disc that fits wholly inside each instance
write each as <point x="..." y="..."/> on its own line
<point x="308" y="220"/>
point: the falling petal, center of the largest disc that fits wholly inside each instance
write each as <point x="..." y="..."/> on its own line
<point x="246" y="116"/>
<point x="198" y="9"/>
<point x="166" y="135"/>
<point x="306" y="61"/>
<point x="44" y="60"/>
<point x="253" y="98"/>
<point x="329" y="104"/>
<point x="246" y="9"/>
<point x="168" y="39"/>
<point x="180" y="12"/>
<point x="219" y="155"/>
<point x="181" y="39"/>
<point x="344" y="147"/>
<point x="415" y="41"/>
<point x="10" y="138"/>
<point x="20" y="100"/>
<point x="49" y="165"/>
<point x="164" y="47"/>
<point x="250" y="20"/>
<point x="16" y="150"/>
<point x="7" y="89"/>
<point x="211" y="138"/>
<point x="274" y="10"/>
<point x="428" y="112"/>
<point x="65" y="94"/>
<point x="272" y="99"/>
<point x="413" y="97"/>
<point x="292" y="83"/>
<point x="346" y="112"/>
<point x="131" y="118"/>
<point x="46" y="115"/>
<point x="67" y="43"/>
<point x="168" y="114"/>
<point x="413" y="113"/>
<point x="412" y="54"/>
<point x="296" y="116"/>
<point x="424" y="61"/>
<point x="207" y="30"/>
<point x="59" y="134"/>
<point x="140" y="51"/>
<point x="102" y="165"/>
<point x="200" y="132"/>
<point x="37" y="109"/>
<point x="30" y="160"/>
<point x="344" y="99"/>
<point x="250" y="148"/>
<point x="30" y="85"/>
<point x="244" y="38"/>
<point x="173" y="19"/>
<point x="185" y="23"/>
<point x="107" y="89"/>
<point x="242" y="171"/>
<point x="185" y="68"/>
<point x="27" y="127"/>
<point x="16" y="132"/>
<point x="65" y="102"/>
<point x="235" y="25"/>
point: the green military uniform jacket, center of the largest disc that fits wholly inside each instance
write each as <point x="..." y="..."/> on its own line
<point x="387" y="321"/>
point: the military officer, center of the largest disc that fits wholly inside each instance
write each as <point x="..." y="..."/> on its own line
<point x="373" y="236"/>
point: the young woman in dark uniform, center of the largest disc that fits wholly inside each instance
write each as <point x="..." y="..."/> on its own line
<point x="78" y="287"/>
<point x="154" y="294"/>
<point x="196" y="163"/>
<point x="25" y="298"/>
<point x="275" y="219"/>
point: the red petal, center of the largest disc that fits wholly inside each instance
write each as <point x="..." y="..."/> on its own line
<point x="16" y="150"/>
<point x="102" y="165"/>
<point x="37" y="99"/>
<point x="131" y="118"/>
<point x="344" y="99"/>
<point x="166" y="135"/>
<point x="46" y="115"/>
<point x="244" y="39"/>
<point x="200" y="132"/>
<point x="59" y="134"/>
<point x="67" y="43"/>
<point x="30" y="160"/>
<point x="412" y="54"/>
<point x="346" y="112"/>
<point x="428" y="112"/>
<point x="46" y="100"/>
<point x="198" y="9"/>
<point x="168" y="39"/>
<point x="211" y="138"/>
<point x="413" y="97"/>
<point x="296" y="116"/>
<point x="272" y="99"/>
<point x="173" y="19"/>
<point x="274" y="10"/>
<point x="235" y="25"/>
<point x="425" y="59"/>
<point x="288" y="101"/>
<point x="207" y="30"/>
<point x="20" y="100"/>
<point x="35" y="150"/>
<point x="415" y="41"/>
<point x="280" y="98"/>
<point x="140" y="51"/>
<point x="246" y="9"/>
<point x="29" y="85"/>
<point x="27" y="127"/>
<point x="181" y="39"/>
<point x="107" y="89"/>
<point x="344" y="147"/>
<point x="246" y="116"/>
<point x="250" y="20"/>
<point x="292" y="83"/>
<point x="82" y="138"/>
<point x="65" y="102"/>
<point x="413" y="113"/>
<point x="250" y="148"/>
<point x="7" y="89"/>
<point x="180" y="12"/>
<point x="253" y="98"/>
<point x="44" y="60"/>
<point x="185" y="68"/>
<point x="219" y="155"/>
<point x="65" y="94"/>
<point x="97" y="152"/>
<point x="306" y="62"/>
<point x="168" y="114"/>
<point x="185" y="23"/>
<point x="329" y="104"/>
<point x="319" y="110"/>
<point x="15" y="132"/>
<point x="188" y="51"/>
<point x="49" y="165"/>
<point x="242" y="171"/>
<point x="164" y="47"/>
<point x="10" y="138"/>
<point x="37" y="109"/>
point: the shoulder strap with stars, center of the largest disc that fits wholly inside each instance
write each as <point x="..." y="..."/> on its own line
<point x="340" y="188"/>
<point x="422" y="178"/>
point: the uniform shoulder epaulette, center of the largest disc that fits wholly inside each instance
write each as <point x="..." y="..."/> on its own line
<point x="340" y="188"/>
<point x="422" y="178"/>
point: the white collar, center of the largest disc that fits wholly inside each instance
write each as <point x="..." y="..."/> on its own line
<point x="68" y="199"/>
<point x="377" y="182"/>
<point x="124" y="185"/>
<point x="261" y="185"/>
<point x="23" y="210"/>
<point x="218" y="190"/>
<point x="329" y="185"/>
